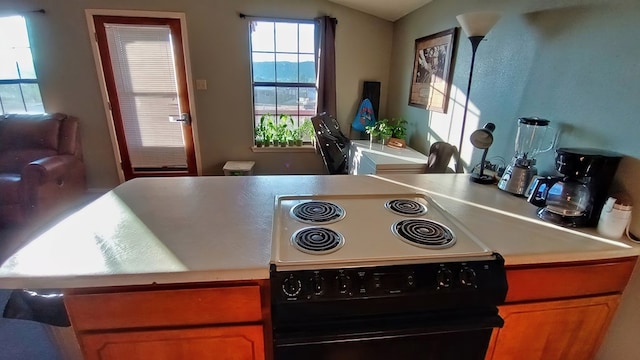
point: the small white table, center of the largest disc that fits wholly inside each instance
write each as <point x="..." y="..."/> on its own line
<point x="374" y="158"/>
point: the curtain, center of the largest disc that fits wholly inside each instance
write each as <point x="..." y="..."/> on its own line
<point x="326" y="64"/>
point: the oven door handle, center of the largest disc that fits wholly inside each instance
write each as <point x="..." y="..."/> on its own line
<point x="371" y="330"/>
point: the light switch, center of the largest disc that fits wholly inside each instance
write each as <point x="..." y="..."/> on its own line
<point x="201" y="84"/>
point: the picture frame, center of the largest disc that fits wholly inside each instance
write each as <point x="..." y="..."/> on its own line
<point x="432" y="69"/>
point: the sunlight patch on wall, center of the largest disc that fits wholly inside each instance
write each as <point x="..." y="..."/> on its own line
<point x="448" y="127"/>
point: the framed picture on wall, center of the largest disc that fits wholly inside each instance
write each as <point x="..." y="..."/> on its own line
<point x="431" y="79"/>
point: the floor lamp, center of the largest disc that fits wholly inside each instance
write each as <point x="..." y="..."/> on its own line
<point x="476" y="25"/>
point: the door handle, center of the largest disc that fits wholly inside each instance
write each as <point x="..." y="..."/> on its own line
<point x="183" y="118"/>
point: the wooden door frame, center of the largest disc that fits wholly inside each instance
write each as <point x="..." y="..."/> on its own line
<point x="89" y="13"/>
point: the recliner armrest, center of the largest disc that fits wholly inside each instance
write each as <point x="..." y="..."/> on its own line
<point x="48" y="169"/>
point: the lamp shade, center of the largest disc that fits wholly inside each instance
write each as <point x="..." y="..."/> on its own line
<point x="478" y="23"/>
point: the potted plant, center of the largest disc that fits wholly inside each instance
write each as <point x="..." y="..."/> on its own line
<point x="373" y="132"/>
<point x="398" y="132"/>
<point x="259" y="140"/>
<point x="281" y="131"/>
<point x="260" y="131"/>
<point x="380" y="131"/>
<point x="264" y="130"/>
<point x="296" y="136"/>
<point x="307" y="130"/>
<point x="385" y="131"/>
<point x="290" y="129"/>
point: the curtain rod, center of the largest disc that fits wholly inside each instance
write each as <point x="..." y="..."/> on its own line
<point x="21" y="13"/>
<point x="245" y="16"/>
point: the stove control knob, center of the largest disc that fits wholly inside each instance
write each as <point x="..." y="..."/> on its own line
<point x="344" y="284"/>
<point x="291" y="286"/>
<point x="317" y="284"/>
<point x="467" y="276"/>
<point x="444" y="278"/>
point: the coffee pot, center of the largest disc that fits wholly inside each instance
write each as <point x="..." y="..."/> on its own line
<point x="576" y="196"/>
<point x="561" y="197"/>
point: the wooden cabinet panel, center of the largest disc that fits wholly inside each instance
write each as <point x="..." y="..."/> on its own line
<point x="566" y="329"/>
<point x="211" y="343"/>
<point x="182" y="307"/>
<point x="555" y="281"/>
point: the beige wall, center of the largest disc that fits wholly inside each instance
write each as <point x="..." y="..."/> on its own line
<point x="218" y="41"/>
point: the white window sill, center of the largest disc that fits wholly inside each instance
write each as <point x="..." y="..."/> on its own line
<point x="275" y="149"/>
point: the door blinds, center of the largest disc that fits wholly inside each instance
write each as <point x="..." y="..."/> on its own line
<point x="144" y="73"/>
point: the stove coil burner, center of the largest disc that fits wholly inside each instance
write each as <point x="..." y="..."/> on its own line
<point x="317" y="212"/>
<point x="317" y="240"/>
<point x="424" y="233"/>
<point x="406" y="207"/>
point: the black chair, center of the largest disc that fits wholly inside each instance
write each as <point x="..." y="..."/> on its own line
<point x="333" y="144"/>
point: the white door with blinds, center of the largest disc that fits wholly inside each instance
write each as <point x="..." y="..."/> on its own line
<point x="143" y="64"/>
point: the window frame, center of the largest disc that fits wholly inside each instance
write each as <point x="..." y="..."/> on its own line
<point x="276" y="84"/>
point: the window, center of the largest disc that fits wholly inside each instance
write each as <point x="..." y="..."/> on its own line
<point x="283" y="70"/>
<point x="19" y="91"/>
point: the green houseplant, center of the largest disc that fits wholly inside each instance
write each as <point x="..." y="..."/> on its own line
<point x="307" y="131"/>
<point x="384" y="130"/>
<point x="398" y="128"/>
<point x="281" y="130"/>
<point x="303" y="132"/>
<point x="380" y="131"/>
<point x="264" y="131"/>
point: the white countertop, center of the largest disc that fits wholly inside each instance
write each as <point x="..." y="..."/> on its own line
<point x="389" y="156"/>
<point x="171" y="230"/>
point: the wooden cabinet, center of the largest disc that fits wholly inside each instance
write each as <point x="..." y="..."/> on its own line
<point x="216" y="343"/>
<point x="565" y="329"/>
<point x="170" y="323"/>
<point x="559" y="311"/>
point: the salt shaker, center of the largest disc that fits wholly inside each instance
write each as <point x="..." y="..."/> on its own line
<point x="614" y="219"/>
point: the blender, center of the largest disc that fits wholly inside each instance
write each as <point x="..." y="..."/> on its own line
<point x="529" y="143"/>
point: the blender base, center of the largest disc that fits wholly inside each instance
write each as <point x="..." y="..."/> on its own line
<point x="482" y="179"/>
<point x="516" y="179"/>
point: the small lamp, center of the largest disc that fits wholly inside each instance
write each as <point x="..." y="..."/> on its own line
<point x="482" y="139"/>
<point x="476" y="25"/>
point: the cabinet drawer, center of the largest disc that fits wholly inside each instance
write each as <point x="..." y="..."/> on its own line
<point x="555" y="281"/>
<point x="183" y="307"/>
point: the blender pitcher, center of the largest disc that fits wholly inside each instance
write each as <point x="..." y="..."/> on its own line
<point x="532" y="138"/>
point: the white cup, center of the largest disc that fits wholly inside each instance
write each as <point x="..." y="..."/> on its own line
<point x="614" y="219"/>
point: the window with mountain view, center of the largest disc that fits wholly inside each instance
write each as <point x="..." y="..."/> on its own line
<point x="284" y="69"/>
<point x="19" y="91"/>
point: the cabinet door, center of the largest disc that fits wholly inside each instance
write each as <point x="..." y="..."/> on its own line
<point x="215" y="343"/>
<point x="566" y="329"/>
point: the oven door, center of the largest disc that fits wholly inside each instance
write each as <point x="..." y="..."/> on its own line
<point x="405" y="337"/>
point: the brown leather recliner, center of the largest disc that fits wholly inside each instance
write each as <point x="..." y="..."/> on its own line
<point x="41" y="168"/>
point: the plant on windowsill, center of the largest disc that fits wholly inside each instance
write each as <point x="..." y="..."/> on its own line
<point x="307" y="131"/>
<point x="259" y="140"/>
<point x="290" y="133"/>
<point x="296" y="137"/>
<point x="263" y="132"/>
<point x="281" y="130"/>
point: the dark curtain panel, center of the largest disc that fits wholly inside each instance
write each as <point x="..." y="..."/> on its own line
<point x="326" y="64"/>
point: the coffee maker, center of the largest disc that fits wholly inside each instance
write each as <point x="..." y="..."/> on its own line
<point x="576" y="197"/>
<point x="530" y="141"/>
